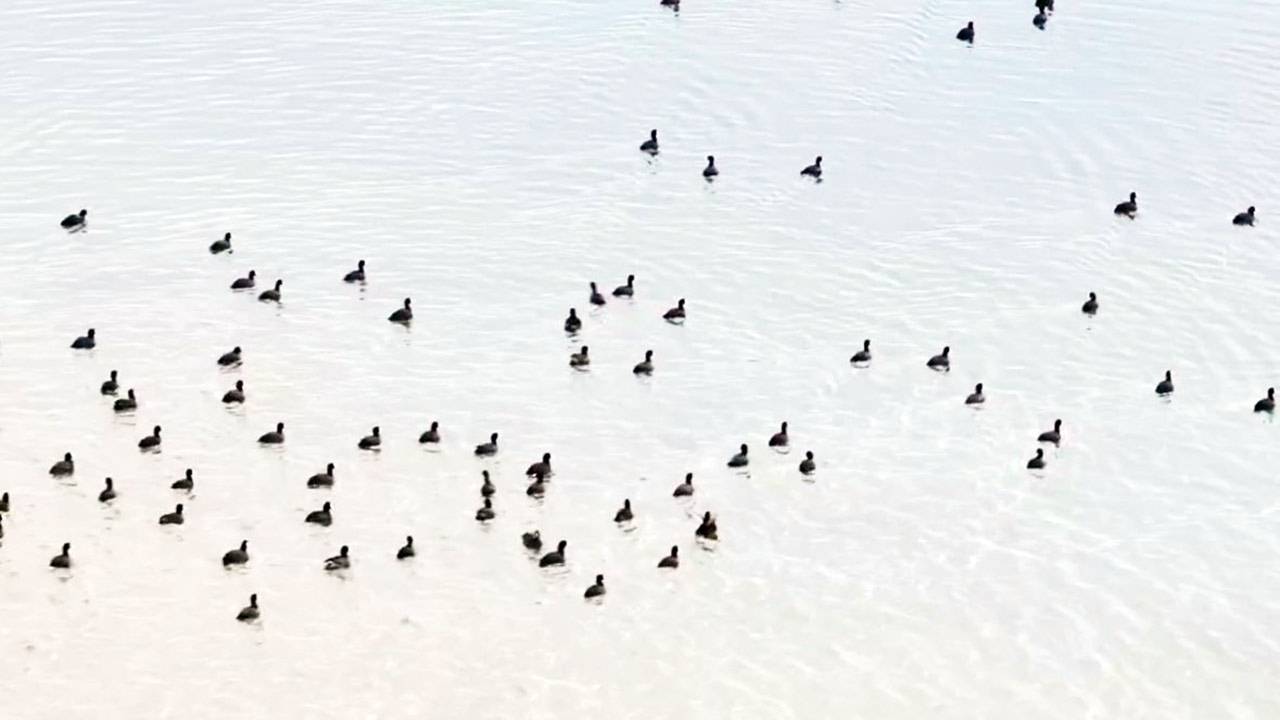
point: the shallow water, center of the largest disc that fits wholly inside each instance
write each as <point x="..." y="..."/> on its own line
<point x="481" y="157"/>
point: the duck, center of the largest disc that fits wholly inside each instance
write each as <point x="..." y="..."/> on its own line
<point x="1052" y="436"/>
<point x="228" y="359"/>
<point x="1244" y="218"/>
<point x="372" y="441"/>
<point x="628" y="290"/>
<point x="1268" y="403"/>
<point x="538" y="487"/>
<point x="966" y="33"/>
<point x="108" y="492"/>
<point x="62" y="560"/>
<point x="596" y="297"/>
<point x="942" y="361"/>
<point x="1037" y="462"/>
<point x="624" y="513"/>
<point x="322" y="479"/>
<point x="710" y="171"/>
<point x="675" y="313"/>
<point x="542" y="467"/>
<point x="1044" y="5"/>
<point x="1129" y="208"/>
<point x="249" y="613"/>
<point x="273" y="438"/>
<point x="489" y="448"/>
<point x="863" y="356"/>
<point x="75" y="221"/>
<point x="128" y="403"/>
<point x="651" y="145"/>
<point x="341" y="561"/>
<point x="807" y="465"/>
<point x="235" y="395"/>
<point x="186" y="482"/>
<point x="152" y="441"/>
<point x="778" y="439"/>
<point x="580" y="359"/>
<point x="487" y="488"/>
<point x="674" y="4"/>
<point x="110" y="386"/>
<point x="555" y="557"/>
<point x="221" y="246"/>
<point x="432" y="435"/>
<point x="237" y="556"/>
<point x="64" y="467"/>
<point x="404" y="314"/>
<point x="355" y="276"/>
<point x="671" y="561"/>
<point x="322" y="517"/>
<point x="245" y="283"/>
<point x="486" y="513"/>
<point x="815" y="170"/>
<point x="4" y="502"/>
<point x="88" y="341"/>
<point x="739" y="460"/>
<point x="1040" y="19"/>
<point x="976" y="397"/>
<point x="1090" y="306"/>
<point x="173" y="518"/>
<point x="644" y="367"/>
<point x="707" y="530"/>
<point x="685" y="488"/>
<point x="596" y="590"/>
<point x="272" y="295"/>
<point x="532" y="540"/>
<point x="406" y="551"/>
<point x="1165" y="386"/>
<point x="573" y="323"/>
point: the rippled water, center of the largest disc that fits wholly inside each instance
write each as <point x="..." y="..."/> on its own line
<point x="481" y="157"/>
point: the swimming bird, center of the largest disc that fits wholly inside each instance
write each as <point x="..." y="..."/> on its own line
<point x="322" y="479"/>
<point x="1165" y="386"/>
<point x="976" y="397"/>
<point x="710" y="171"/>
<point x="432" y="435"/>
<point x="64" y="559"/>
<point x="675" y="313"/>
<point x="542" y="467"/>
<point x="1052" y="436"/>
<point x="372" y="441"/>
<point x="486" y="513"/>
<point x="1044" y="5"/>
<point x="1040" y="19"/>
<point x="1268" y="403"/>
<point x="941" y="362"/>
<point x="624" y="513"/>
<point x="404" y="314"/>
<point x="245" y="283"/>
<point x="1090" y="306"/>
<point x="272" y="295"/>
<point x="966" y="33"/>
<point x="673" y="4"/>
<point x="651" y="145"/>
<point x="707" y="529"/>
<point x="1129" y="208"/>
<point x="109" y="492"/>
<point x="238" y="556"/>
<point x="186" y="482"/>
<point x="596" y="590"/>
<point x="739" y="460"/>
<point x="234" y="395"/>
<point x="580" y="359"/>
<point x="341" y="561"/>
<point x="110" y="386"/>
<point x="152" y="441"/>
<point x="538" y="487"/>
<point x="64" y="467"/>
<point x="778" y="439"/>
<point x="671" y="561"/>
<point x="489" y="448"/>
<point x="532" y="540"/>
<point x="685" y="488"/>
<point x="596" y="297"/>
<point x="88" y="341"/>
<point x="4" y="502"/>
<point x="356" y="275"/>
<point x="173" y="518"/>
<point x="75" y="221"/>
<point x="863" y="356"/>
<point x="627" y="290"/>
<point x="322" y="517"/>
<point x="273" y="438"/>
<point x="573" y="323"/>
<point x="487" y="488"/>
<point x="127" y="403"/>
<point x="815" y="170"/>
<point x="249" y="613"/>
<point x="1244" y="218"/>
<point x="1037" y="462"/>
<point x="221" y="246"/>
<point x="228" y="359"/>
<point x="644" y="367"/>
<point x="555" y="557"/>
<point x="807" y="465"/>
<point x="406" y="551"/>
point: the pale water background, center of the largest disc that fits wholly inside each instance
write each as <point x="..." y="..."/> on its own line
<point x="481" y="155"/>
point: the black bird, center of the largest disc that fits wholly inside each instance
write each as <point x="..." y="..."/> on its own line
<point x="596" y="297"/>
<point x="675" y="313"/>
<point x="486" y="513"/>
<point x="1037" y="462"/>
<point x="245" y="283"/>
<point x="624" y="513"/>
<point x="573" y="323"/>
<point x="1090" y="306"/>
<point x="234" y="395"/>
<point x="966" y="33"/>
<point x="1268" y="403"/>
<point x="249" y="613"/>
<point x="941" y="362"/>
<point x="673" y="4"/>
<point x="128" y="403"/>
<point x="976" y="397"/>
<point x="710" y="171"/>
<point x="580" y="359"/>
<point x="707" y="530"/>
<point x="372" y="441"/>
<point x="4" y="502"/>
<point x="273" y="438"/>
<point x="186" y="482"/>
<point x="152" y="441"/>
<point x="1165" y="386"/>
<point x="807" y="465"/>
<point x="221" y="246"/>
<point x="173" y="518"/>
<point x="108" y="493"/>
<point x="863" y="356"/>
<point x="404" y="315"/>
<point x="75" y="221"/>
<point x="432" y="435"/>
<point x="238" y="556"/>
<point x="596" y="590"/>
<point x="538" y="487"/>
<point x="778" y="439"/>
<point x="1244" y="218"/>
<point x="1040" y="19"/>
<point x="88" y="341"/>
<point x="341" y="561"/>
<point x="489" y="448"/>
<point x="671" y="561"/>
<point x="407" y="551"/>
<point x="230" y="358"/>
<point x="644" y="367"/>
<point x="1129" y="208"/>
<point x="532" y="540"/>
<point x="627" y="290"/>
<point x="110" y="386"/>
<point x="1052" y="436"/>
<point x="555" y="557"/>
<point x="322" y="517"/>
<point x="685" y="488"/>
<point x="356" y="275"/>
<point x="1044" y="5"/>
<point x="322" y="479"/>
<point x="487" y="488"/>
<point x="815" y="170"/>
<point x="63" y="560"/>
<point x="62" y="468"/>
<point x="739" y="460"/>
<point x="651" y="145"/>
<point x="272" y="295"/>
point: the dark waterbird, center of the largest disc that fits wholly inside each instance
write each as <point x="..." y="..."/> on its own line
<point x="355" y="276"/>
<point x="221" y="246"/>
<point x="273" y="438"/>
<point x="573" y="323"/>
<point x="596" y="298"/>
<point x="249" y="613"/>
<point x="966" y="33"/>
<point x="186" y="482"/>
<point x="740" y="459"/>
<point x="322" y="517"/>
<point x="815" y="170"/>
<point x="341" y="561"/>
<point x="1268" y="403"/>
<point x="671" y="561"/>
<point x="627" y="290"/>
<point x="1037" y="462"/>
<point x="942" y="361"/>
<point x="152" y="441"/>
<point x="555" y="557"/>
<point x="651" y="145"/>
<point x="432" y="434"/>
<point x="807" y="465"/>
<point x="1165" y="386"/>
<point x="1052" y="436"/>
<point x="406" y="551"/>
<point x="644" y="367"/>
<point x="173" y="518"/>
<point x="710" y="171"/>
<point x="707" y="530"/>
<point x="88" y="341"/>
<point x="486" y="513"/>
<point x="228" y="359"/>
<point x="64" y="467"/>
<point x="596" y="590"/>
<point x="1090" y="306"/>
<point x="128" y="403"/>
<point x="108" y="492"/>
<point x="110" y="386"/>
<point x="1244" y="218"/>
<point x="488" y="448"/>
<point x="62" y="560"/>
<point x="245" y="283"/>
<point x="976" y="397"/>
<point x="238" y="556"/>
<point x="372" y="441"/>
<point x="1129" y="208"/>
<point x="685" y="488"/>
<point x="75" y="221"/>
<point x="234" y="395"/>
<point x="624" y="513"/>
<point x="404" y="314"/>
<point x="779" y="439"/>
<point x="322" y="479"/>
<point x="863" y="356"/>
<point x="272" y="295"/>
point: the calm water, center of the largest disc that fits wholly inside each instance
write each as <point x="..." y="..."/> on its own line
<point x="481" y="156"/>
